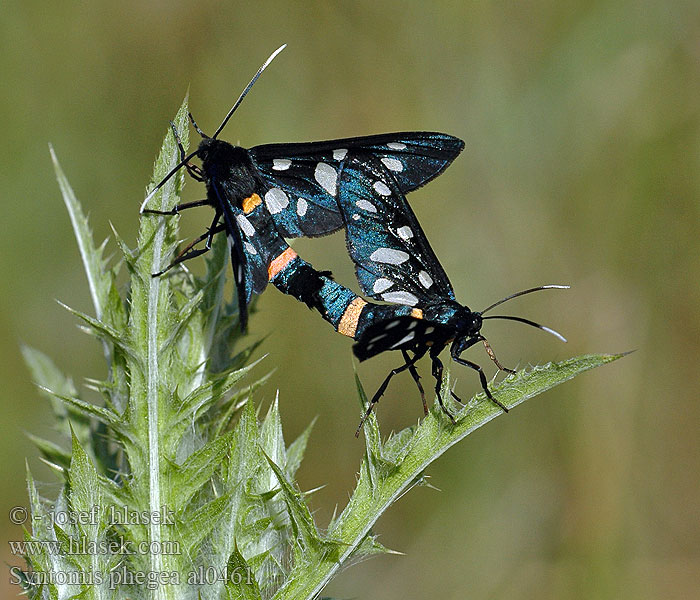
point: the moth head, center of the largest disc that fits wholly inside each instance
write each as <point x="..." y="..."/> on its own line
<point x="467" y="326"/>
<point x="467" y="323"/>
<point x="207" y="145"/>
<point x="218" y="152"/>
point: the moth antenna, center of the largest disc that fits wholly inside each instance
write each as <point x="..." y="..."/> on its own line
<point x="528" y="291"/>
<point x="528" y="322"/>
<point x="165" y="179"/>
<point x="196" y="127"/>
<point x="247" y="89"/>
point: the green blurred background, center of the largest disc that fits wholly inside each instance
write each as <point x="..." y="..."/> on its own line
<point x="582" y="166"/>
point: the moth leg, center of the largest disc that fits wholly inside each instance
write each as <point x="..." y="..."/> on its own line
<point x="492" y="355"/>
<point x="194" y="171"/>
<point x="176" y="209"/>
<point x="382" y="388"/>
<point x="416" y="377"/>
<point x="188" y="252"/>
<point x="437" y="374"/>
<point x="482" y="377"/>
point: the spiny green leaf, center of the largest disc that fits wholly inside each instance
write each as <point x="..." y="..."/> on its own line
<point x="99" y="281"/>
<point x="432" y="438"/>
<point x="206" y="394"/>
<point x="271" y="438"/>
<point x="105" y="332"/>
<point x="198" y="468"/>
<point x="90" y="410"/>
<point x="45" y="373"/>
<point x="296" y="450"/>
<point x="52" y="452"/>
<point x="312" y="543"/>
<point x="182" y="320"/>
<point x="241" y="583"/>
<point x="200" y="522"/>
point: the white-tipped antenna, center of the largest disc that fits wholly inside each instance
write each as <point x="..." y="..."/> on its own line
<point x="556" y="334"/>
<point x="247" y="89"/>
<point x="529" y="291"/>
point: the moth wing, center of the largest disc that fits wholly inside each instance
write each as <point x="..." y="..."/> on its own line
<point x="303" y="177"/>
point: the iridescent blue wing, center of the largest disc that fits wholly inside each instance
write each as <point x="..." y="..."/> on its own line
<point x="303" y="178"/>
<point x="393" y="259"/>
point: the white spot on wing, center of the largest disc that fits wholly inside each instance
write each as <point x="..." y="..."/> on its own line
<point x="276" y="200"/>
<point x="302" y="206"/>
<point x="326" y="177"/>
<point x="396" y="145"/>
<point x="340" y="153"/>
<point x="382" y="284"/>
<point x="356" y="217"/>
<point x="281" y="164"/>
<point x="389" y="256"/>
<point x="250" y="249"/>
<point x="366" y="205"/>
<point x="429" y="330"/>
<point x="400" y="297"/>
<point x="403" y="340"/>
<point x="245" y="225"/>
<point x="425" y="280"/>
<point x="382" y="188"/>
<point x="393" y="164"/>
<point x="405" y="232"/>
<point x="391" y="324"/>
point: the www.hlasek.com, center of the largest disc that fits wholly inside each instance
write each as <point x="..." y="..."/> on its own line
<point x="121" y="576"/>
<point x="86" y="547"/>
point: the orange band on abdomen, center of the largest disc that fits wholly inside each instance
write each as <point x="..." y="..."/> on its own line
<point x="279" y="263"/>
<point x="348" y="322"/>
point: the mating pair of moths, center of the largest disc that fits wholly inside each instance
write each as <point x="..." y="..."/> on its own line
<point x="265" y="194"/>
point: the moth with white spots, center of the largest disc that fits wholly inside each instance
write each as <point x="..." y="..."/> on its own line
<point x="297" y="187"/>
<point x="395" y="263"/>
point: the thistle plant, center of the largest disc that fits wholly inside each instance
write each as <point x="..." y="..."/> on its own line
<point x="171" y="487"/>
